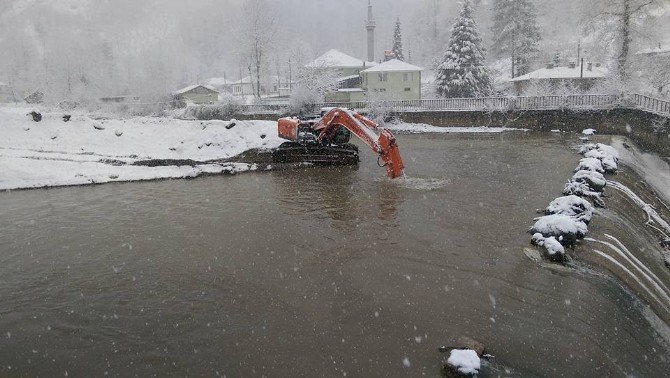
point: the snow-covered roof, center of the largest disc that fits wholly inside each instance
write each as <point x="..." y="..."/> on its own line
<point x="192" y="87"/>
<point x="350" y="77"/>
<point x="564" y="73"/>
<point x="218" y="81"/>
<point x="335" y="58"/>
<point x="249" y="80"/>
<point x="350" y="90"/>
<point x="394" y="65"/>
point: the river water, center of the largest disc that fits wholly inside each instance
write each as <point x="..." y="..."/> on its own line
<point x="314" y="272"/>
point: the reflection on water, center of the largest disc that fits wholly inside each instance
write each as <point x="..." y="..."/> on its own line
<point x="315" y="272"/>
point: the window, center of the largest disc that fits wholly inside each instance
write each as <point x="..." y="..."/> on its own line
<point x="383" y="76"/>
<point x="407" y="76"/>
<point x="408" y="89"/>
<point x="382" y="89"/>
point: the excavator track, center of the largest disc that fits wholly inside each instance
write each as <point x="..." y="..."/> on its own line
<point x="291" y="152"/>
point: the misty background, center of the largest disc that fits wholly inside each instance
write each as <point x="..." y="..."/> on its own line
<point x="82" y="49"/>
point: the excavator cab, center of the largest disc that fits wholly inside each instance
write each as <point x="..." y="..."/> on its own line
<point x="323" y="140"/>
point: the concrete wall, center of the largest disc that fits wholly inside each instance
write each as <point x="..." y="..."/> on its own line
<point x="636" y="124"/>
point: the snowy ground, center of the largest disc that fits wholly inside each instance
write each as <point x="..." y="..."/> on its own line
<point x="86" y="151"/>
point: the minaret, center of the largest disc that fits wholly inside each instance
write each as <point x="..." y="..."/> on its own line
<point x="370" y="27"/>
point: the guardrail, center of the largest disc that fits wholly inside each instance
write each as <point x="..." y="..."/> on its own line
<point x="484" y="104"/>
<point x="651" y="104"/>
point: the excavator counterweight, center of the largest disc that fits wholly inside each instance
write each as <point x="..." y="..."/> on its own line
<point x="334" y="130"/>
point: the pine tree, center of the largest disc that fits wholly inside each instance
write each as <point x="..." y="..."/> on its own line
<point x="397" y="42"/>
<point x="463" y="72"/>
<point x="515" y="33"/>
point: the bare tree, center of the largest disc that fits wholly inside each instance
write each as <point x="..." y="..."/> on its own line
<point x="618" y="22"/>
<point x="311" y="87"/>
<point x="260" y="26"/>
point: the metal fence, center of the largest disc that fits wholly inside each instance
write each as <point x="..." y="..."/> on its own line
<point x="651" y="104"/>
<point x="484" y="104"/>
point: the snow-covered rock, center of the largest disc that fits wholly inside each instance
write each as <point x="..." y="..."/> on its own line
<point x="588" y="131"/>
<point x="464" y="361"/>
<point x="564" y="228"/>
<point x="590" y="164"/>
<point x="583" y="190"/>
<point x="596" y="181"/>
<point x="608" y="155"/>
<point x="572" y="206"/>
<point x="553" y="249"/>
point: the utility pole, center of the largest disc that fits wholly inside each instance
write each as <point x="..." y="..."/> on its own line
<point x="581" y="74"/>
<point x="579" y="49"/>
<point x="290" y="76"/>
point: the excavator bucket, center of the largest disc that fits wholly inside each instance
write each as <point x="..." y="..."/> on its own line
<point x="390" y="154"/>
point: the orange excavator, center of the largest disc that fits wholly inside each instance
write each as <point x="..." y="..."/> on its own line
<point x="326" y="140"/>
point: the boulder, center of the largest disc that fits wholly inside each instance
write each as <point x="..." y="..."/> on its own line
<point x="552" y="248"/>
<point x="596" y="181"/>
<point x="463" y="362"/>
<point x="572" y="206"/>
<point x="590" y="164"/>
<point x="565" y="229"/>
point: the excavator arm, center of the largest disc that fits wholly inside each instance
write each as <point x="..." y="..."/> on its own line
<point x="384" y="144"/>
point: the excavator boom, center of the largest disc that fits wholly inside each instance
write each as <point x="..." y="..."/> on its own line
<point x="327" y="129"/>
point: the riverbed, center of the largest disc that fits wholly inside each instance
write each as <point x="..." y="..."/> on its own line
<point x="315" y="272"/>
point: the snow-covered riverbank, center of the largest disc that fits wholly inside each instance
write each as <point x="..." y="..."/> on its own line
<point x="85" y="151"/>
<point x="92" y="150"/>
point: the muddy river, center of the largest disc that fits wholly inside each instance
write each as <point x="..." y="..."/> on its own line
<point x="314" y="272"/>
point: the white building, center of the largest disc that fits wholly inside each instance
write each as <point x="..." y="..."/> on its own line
<point x="197" y="94"/>
<point x="582" y="77"/>
<point x="221" y="84"/>
<point x="271" y="86"/>
<point x="392" y="80"/>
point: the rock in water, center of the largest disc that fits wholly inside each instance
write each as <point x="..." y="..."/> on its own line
<point x="98" y="126"/>
<point x="588" y="131"/>
<point x="553" y="249"/>
<point x="596" y="181"/>
<point x="590" y="164"/>
<point x="572" y="206"/>
<point x="66" y="118"/>
<point x="465" y="342"/>
<point x="118" y="133"/>
<point x="465" y="362"/>
<point x="565" y="229"/>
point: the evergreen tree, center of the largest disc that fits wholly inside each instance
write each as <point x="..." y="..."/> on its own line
<point x="463" y="72"/>
<point x="397" y="42"/>
<point x="515" y="33"/>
